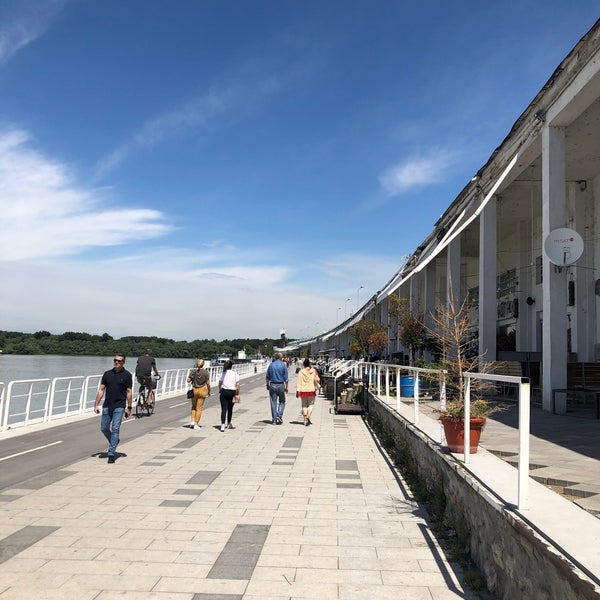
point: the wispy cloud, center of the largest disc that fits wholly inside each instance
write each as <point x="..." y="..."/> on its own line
<point x="23" y="22"/>
<point x="44" y="212"/>
<point x="419" y="171"/>
<point x="221" y="299"/>
<point x="210" y="110"/>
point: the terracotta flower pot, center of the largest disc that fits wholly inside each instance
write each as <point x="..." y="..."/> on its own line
<point x="455" y="434"/>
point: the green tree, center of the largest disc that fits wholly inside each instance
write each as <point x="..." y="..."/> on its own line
<point x="361" y="332"/>
<point x="409" y="322"/>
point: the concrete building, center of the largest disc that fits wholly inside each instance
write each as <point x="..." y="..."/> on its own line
<point x="521" y="240"/>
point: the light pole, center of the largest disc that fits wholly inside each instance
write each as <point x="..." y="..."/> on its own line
<point x="346" y="308"/>
<point x="337" y="316"/>
<point x="357" y="295"/>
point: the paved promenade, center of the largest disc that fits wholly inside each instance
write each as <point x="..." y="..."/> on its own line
<point x="262" y="511"/>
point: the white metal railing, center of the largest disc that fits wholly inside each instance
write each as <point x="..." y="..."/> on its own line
<point x="377" y="376"/>
<point x="524" y="401"/>
<point x="33" y="401"/>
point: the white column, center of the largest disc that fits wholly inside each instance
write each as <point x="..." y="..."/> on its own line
<point x="487" y="281"/>
<point x="453" y="279"/>
<point x="525" y="329"/>
<point x="430" y="300"/>
<point x="453" y="271"/>
<point x="554" y="285"/>
<point x="583" y="314"/>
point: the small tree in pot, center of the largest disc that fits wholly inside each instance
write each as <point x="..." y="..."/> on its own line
<point x="451" y="333"/>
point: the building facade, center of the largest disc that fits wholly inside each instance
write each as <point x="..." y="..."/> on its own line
<point x="522" y="239"/>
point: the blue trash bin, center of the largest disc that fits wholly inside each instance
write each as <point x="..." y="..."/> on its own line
<point x="407" y="386"/>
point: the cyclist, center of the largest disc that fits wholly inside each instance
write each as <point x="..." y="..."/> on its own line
<point x="143" y="373"/>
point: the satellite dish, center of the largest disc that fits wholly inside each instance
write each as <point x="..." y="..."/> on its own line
<point x="563" y="246"/>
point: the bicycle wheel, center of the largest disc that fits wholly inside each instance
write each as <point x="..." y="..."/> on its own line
<point x="139" y="405"/>
<point x="151" y="407"/>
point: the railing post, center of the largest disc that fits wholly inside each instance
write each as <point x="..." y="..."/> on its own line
<point x="442" y="390"/>
<point x="524" y="425"/>
<point x="48" y="405"/>
<point x="387" y="385"/>
<point x="415" y="375"/>
<point x="6" y="406"/>
<point x="67" y="397"/>
<point x="467" y="419"/>
<point x="398" y="389"/>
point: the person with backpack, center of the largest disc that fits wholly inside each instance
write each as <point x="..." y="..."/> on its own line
<point x="200" y="380"/>
<point x="143" y="373"/>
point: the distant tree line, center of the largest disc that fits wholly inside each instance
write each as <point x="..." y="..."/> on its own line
<point x="85" y="344"/>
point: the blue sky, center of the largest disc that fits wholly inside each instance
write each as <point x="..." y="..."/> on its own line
<point x="220" y="169"/>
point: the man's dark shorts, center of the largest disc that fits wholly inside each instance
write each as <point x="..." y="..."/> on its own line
<point x="145" y="380"/>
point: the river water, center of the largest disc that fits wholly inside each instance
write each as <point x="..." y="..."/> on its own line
<point x="15" y="367"/>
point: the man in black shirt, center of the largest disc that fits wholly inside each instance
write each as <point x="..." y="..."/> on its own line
<point x="143" y="373"/>
<point x="117" y="384"/>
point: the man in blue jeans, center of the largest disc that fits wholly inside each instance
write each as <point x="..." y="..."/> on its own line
<point x="117" y="384"/>
<point x="277" y="384"/>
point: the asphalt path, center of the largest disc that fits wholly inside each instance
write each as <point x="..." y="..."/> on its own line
<point x="33" y="454"/>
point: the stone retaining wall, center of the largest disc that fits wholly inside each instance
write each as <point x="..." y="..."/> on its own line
<point x="515" y="561"/>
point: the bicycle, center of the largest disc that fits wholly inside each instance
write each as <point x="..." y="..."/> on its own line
<point x="142" y="403"/>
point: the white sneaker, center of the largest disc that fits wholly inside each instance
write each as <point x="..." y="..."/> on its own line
<point x="196" y="426"/>
<point x="230" y="426"/>
<point x="223" y="427"/>
<point x="191" y="425"/>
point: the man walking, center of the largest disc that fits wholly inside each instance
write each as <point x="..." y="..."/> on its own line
<point x="143" y="373"/>
<point x="277" y="384"/>
<point x="117" y="384"/>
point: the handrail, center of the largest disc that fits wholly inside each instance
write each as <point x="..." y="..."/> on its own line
<point x="376" y="370"/>
<point x="33" y="401"/>
<point x="524" y="401"/>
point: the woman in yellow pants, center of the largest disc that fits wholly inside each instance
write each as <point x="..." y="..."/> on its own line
<point x="200" y="380"/>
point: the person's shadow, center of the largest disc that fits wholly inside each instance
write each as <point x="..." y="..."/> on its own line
<point x="104" y="455"/>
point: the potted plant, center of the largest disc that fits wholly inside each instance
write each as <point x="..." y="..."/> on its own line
<point x="451" y="333"/>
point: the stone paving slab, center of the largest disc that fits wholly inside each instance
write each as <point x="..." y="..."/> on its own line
<point x="221" y="519"/>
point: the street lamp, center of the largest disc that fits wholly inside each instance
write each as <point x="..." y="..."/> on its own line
<point x="337" y="316"/>
<point x="357" y="295"/>
<point x="346" y="308"/>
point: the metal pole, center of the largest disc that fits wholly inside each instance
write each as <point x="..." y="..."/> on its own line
<point x="416" y="395"/>
<point x="467" y="430"/>
<point x="387" y="385"/>
<point x="397" y="389"/>
<point x="335" y="401"/>
<point x="524" y="418"/>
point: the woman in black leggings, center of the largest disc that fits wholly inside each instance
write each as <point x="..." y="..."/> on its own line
<point x="229" y="390"/>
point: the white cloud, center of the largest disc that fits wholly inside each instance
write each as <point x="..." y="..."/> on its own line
<point x="164" y="299"/>
<point x="201" y="112"/>
<point x="215" y="290"/>
<point x="23" y="22"/>
<point x="180" y="294"/>
<point x="417" y="172"/>
<point x="45" y="213"/>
